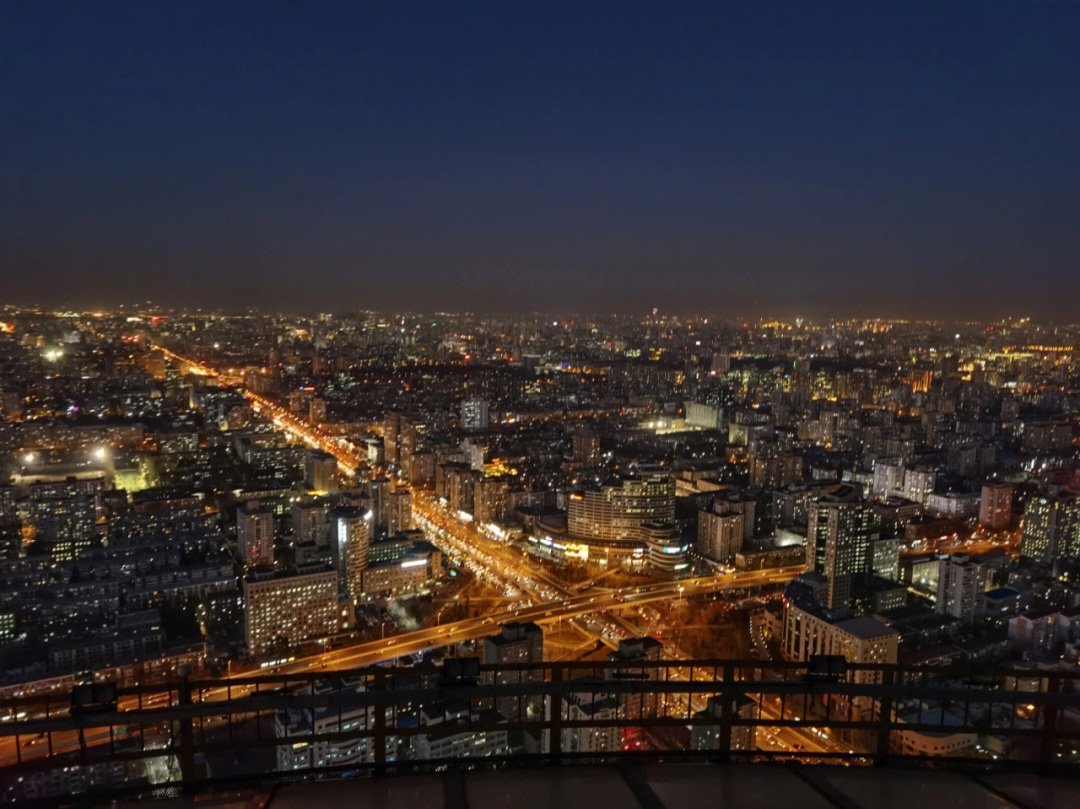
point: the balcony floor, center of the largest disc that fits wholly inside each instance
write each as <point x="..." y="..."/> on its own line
<point x="684" y="786"/>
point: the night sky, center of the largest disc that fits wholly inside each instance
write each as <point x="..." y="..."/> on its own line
<point x="912" y="160"/>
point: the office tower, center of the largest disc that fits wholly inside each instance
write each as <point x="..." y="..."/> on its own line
<point x="839" y="538"/>
<point x="410" y="437"/>
<point x="1052" y="529"/>
<point x="516" y="643"/>
<point x="614" y="513"/>
<point x="317" y="410"/>
<point x="962" y="585"/>
<point x="995" y="506"/>
<point x="353" y="529"/>
<point x="289" y="607"/>
<point x="319" y="470"/>
<point x="474" y="415"/>
<point x="255" y="535"/>
<point x="720" y="531"/>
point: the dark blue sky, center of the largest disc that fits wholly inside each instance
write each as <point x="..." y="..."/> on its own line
<point x="758" y="159"/>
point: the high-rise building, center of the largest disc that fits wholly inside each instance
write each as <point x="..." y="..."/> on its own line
<point x="962" y="585"/>
<point x="353" y="529"/>
<point x="586" y="448"/>
<point x="705" y="732"/>
<point x="255" y="535"/>
<point x="721" y="363"/>
<point x="665" y="550"/>
<point x="516" y="643"/>
<point x="995" y="506"/>
<point x="400" y="511"/>
<point x="614" y="513"/>
<point x="893" y="478"/>
<point x="309" y="521"/>
<point x="491" y="497"/>
<point x="859" y="640"/>
<point x="289" y="607"/>
<point x="1052" y="529"/>
<point x="354" y="712"/>
<point x="839" y="540"/>
<point x="885" y="558"/>
<point x="775" y="470"/>
<point x="592" y="703"/>
<point x="720" y="531"/>
<point x="474" y="415"/>
<point x="379" y="490"/>
<point x="704" y="416"/>
<point x="319" y="469"/>
<point x="639" y="705"/>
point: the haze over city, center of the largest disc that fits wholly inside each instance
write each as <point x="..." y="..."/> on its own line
<point x="916" y="160"/>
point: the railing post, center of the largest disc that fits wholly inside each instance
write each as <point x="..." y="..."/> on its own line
<point x="1049" y="718"/>
<point x="555" y="742"/>
<point x="379" y="686"/>
<point x="727" y="714"/>
<point x="885" y="707"/>
<point x="187" y="730"/>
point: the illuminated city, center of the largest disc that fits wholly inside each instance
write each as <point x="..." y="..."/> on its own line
<point x="382" y="457"/>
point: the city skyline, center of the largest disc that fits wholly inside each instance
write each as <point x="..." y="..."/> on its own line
<point x="755" y="162"/>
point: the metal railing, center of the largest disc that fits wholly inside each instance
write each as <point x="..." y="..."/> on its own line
<point x="381" y="719"/>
